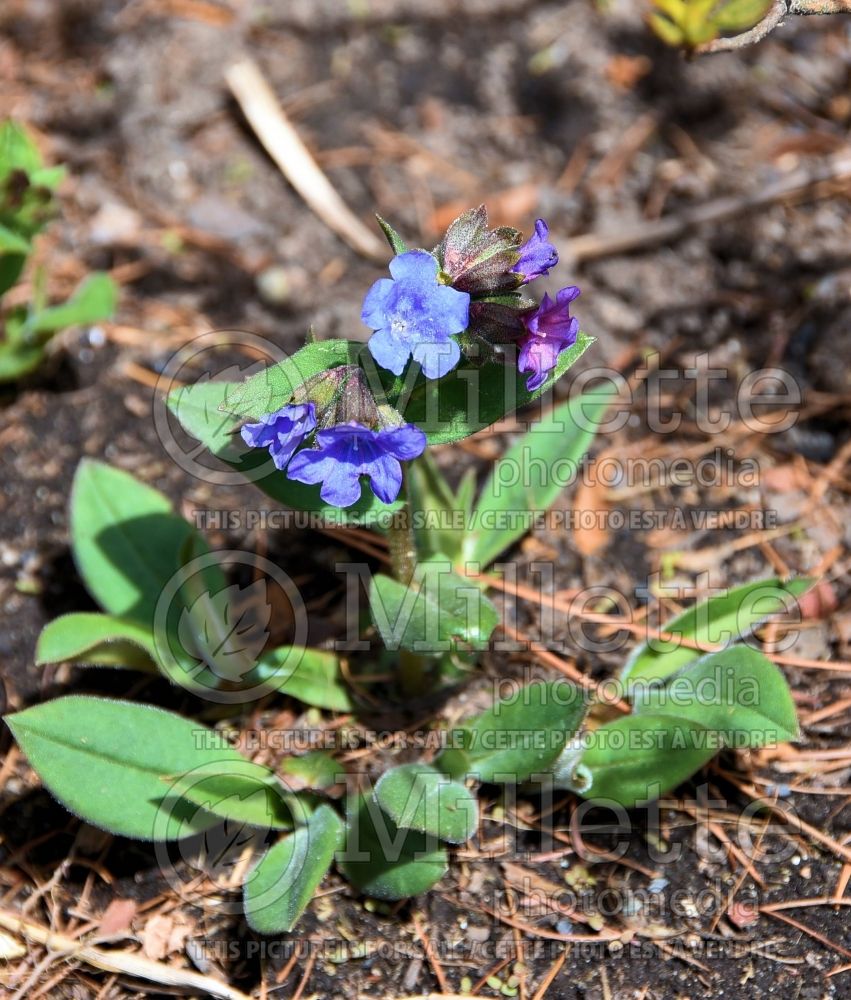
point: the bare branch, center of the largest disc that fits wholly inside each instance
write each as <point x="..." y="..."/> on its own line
<point x="820" y="180"/>
<point x="773" y="19"/>
<point x="806" y="7"/>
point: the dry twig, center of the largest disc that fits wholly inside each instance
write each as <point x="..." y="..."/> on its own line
<point x="805" y="181"/>
<point x="777" y="13"/>
<point x="283" y="143"/>
<point x="126" y="963"/>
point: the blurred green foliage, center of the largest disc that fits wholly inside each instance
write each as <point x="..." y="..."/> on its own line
<point x="691" y="23"/>
<point x="27" y="204"/>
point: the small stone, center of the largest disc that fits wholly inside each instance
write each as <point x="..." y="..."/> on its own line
<point x="279" y="285"/>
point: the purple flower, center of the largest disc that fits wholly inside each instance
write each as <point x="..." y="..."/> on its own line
<point x="413" y="314"/>
<point x="281" y="432"/>
<point x="348" y="451"/>
<point x="537" y="255"/>
<point x="549" y="330"/>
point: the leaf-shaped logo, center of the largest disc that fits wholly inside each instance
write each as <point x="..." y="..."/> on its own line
<point x="225" y="844"/>
<point x="228" y="630"/>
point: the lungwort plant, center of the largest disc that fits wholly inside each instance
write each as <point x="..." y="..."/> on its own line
<point x="27" y="203"/>
<point x="341" y="430"/>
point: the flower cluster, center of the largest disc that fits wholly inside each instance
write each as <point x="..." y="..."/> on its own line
<point x="352" y="437"/>
<point x="466" y="297"/>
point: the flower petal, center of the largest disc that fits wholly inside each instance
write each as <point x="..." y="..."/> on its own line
<point x="343" y="489"/>
<point x="388" y="352"/>
<point x="282" y="432"/>
<point x="415" y="265"/>
<point x="404" y="442"/>
<point x="454" y="309"/>
<point x="259" y="435"/>
<point x="537" y="255"/>
<point x="437" y="359"/>
<point x="385" y="477"/>
<point x="375" y="303"/>
<point x="311" y="466"/>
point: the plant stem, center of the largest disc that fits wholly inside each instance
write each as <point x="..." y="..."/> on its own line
<point x="413" y="669"/>
<point x="402" y="544"/>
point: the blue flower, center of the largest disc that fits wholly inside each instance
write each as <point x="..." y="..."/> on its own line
<point x="348" y="451"/>
<point x="281" y="432"/>
<point x="549" y="330"/>
<point x="414" y="315"/>
<point x="537" y="255"/>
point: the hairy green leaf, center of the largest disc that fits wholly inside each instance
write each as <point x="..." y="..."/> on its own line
<point x="531" y="474"/>
<point x="105" y="760"/>
<point x="383" y="861"/>
<point x="126" y="540"/>
<point x="471" y="398"/>
<point x="397" y="244"/>
<point x="272" y="388"/>
<point x="419" y="797"/>
<point x="738" y="692"/>
<point x="94" y="300"/>
<point x="718" y="622"/>
<point x="240" y="790"/>
<point x="436" y="609"/>
<point x="95" y="639"/>
<point x="310" y="675"/>
<point x="637" y="758"/>
<point x="281" y="885"/>
<point x="519" y="737"/>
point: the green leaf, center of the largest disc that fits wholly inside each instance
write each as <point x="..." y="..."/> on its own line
<point x="12" y="242"/>
<point x="397" y="244"/>
<point x="531" y="475"/>
<point x="639" y="757"/>
<point x="98" y="640"/>
<point x="239" y="790"/>
<point x="383" y="861"/>
<point x="440" y="517"/>
<point x="517" y="738"/>
<point x="17" y="359"/>
<point x="315" y="769"/>
<point x="437" y="608"/>
<point x="310" y="675"/>
<point x="717" y="622"/>
<point x="471" y="398"/>
<point x="17" y="150"/>
<point x="226" y="627"/>
<point x="740" y="15"/>
<point x="737" y="692"/>
<point x="11" y="267"/>
<point x="48" y="177"/>
<point x="198" y="408"/>
<point x="94" y="300"/>
<point x="419" y="797"/>
<point x="279" y="888"/>
<point x="126" y="540"/>
<point x="105" y="761"/>
<point x="272" y="388"/>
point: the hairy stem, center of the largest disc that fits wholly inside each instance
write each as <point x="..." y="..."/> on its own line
<point x="414" y="669"/>
<point x="401" y="542"/>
